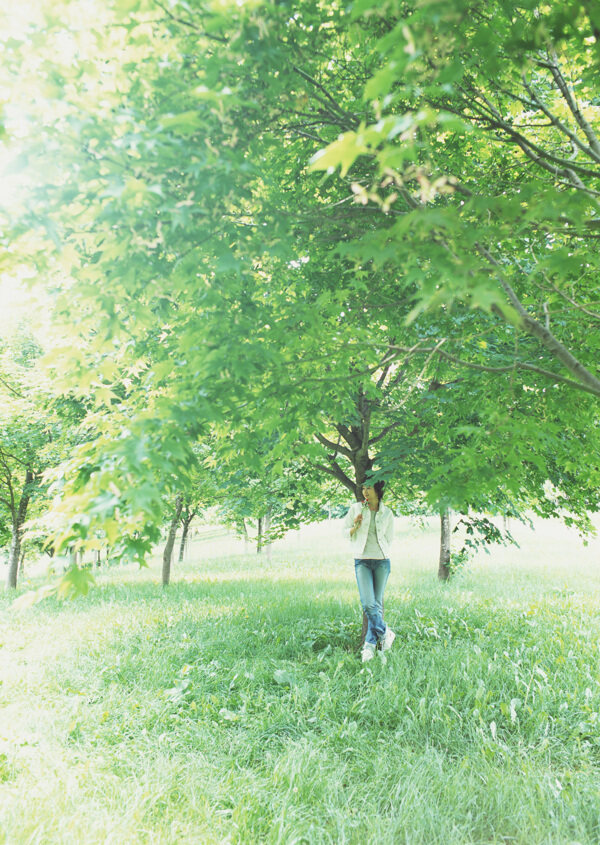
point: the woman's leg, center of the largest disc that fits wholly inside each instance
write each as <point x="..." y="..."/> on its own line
<point x="381" y="573"/>
<point x="371" y="606"/>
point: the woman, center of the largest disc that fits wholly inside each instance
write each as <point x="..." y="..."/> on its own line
<point x="370" y="527"/>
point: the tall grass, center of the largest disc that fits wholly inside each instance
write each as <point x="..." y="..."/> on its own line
<point x="232" y="707"/>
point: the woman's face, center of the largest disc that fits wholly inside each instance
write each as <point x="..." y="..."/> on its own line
<point x="370" y="495"/>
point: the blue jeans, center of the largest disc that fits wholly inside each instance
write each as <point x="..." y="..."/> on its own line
<point x="371" y="577"/>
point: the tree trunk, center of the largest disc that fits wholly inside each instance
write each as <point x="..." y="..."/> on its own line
<point x="362" y="465"/>
<point x="13" y="556"/>
<point x="22" y="563"/>
<point x="168" y="552"/>
<point x="184" y="536"/>
<point x="266" y="527"/>
<point x="444" y="566"/>
<point x="186" y="521"/>
<point x="242" y="529"/>
<point x="259" y="536"/>
<point x="18" y="518"/>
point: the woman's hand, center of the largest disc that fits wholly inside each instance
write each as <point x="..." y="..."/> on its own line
<point x="356" y="526"/>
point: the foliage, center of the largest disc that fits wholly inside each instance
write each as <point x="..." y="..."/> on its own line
<point x="29" y="435"/>
<point x="484" y="159"/>
<point x="208" y="279"/>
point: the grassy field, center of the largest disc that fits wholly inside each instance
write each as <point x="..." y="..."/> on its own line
<point x="232" y="707"/>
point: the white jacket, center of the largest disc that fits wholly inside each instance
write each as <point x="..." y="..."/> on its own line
<point x="384" y="523"/>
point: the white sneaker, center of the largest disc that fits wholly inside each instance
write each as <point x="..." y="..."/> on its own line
<point x="368" y="652"/>
<point x="388" y="639"/>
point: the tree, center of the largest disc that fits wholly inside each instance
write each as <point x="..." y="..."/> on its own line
<point x="168" y="550"/>
<point x="188" y="512"/>
<point x="28" y="425"/>
<point x="222" y="300"/>
<point x="485" y="160"/>
<point x="254" y="483"/>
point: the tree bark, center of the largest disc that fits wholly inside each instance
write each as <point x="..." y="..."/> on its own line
<point x="266" y="527"/>
<point x="243" y="530"/>
<point x="186" y="521"/>
<point x="444" y="567"/>
<point x="186" y="527"/>
<point x="168" y="552"/>
<point x="259" y="536"/>
<point x="184" y="534"/>
<point x="18" y="518"/>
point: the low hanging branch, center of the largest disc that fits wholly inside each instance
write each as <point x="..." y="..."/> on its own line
<point x="585" y="380"/>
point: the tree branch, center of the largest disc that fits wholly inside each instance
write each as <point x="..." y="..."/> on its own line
<point x="348" y="435"/>
<point x="572" y="104"/>
<point x="558" y="349"/>
<point x="221" y="39"/>
<point x="338" y="473"/>
<point x="588" y="150"/>
<point x="536" y="153"/>
<point x="335" y="447"/>
<point x="12" y="389"/>
<point x="515" y="365"/>
<point x="350" y="124"/>
<point x="564" y="295"/>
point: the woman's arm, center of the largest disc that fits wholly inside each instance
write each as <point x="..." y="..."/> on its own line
<point x="389" y="528"/>
<point x="352" y="521"/>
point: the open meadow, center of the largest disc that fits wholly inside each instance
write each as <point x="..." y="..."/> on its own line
<point x="232" y="706"/>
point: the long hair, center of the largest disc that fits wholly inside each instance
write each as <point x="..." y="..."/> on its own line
<point x="378" y="487"/>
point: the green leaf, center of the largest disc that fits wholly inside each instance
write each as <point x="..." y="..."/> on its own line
<point x="75" y="582"/>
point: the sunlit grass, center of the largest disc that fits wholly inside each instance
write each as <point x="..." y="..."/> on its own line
<point x="232" y="707"/>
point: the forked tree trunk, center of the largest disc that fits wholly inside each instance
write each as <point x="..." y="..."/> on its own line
<point x="18" y="518"/>
<point x="168" y="552"/>
<point x="184" y="536"/>
<point x="444" y="566"/>
<point x="186" y="521"/>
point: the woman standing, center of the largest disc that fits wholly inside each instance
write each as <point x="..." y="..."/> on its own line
<point x="370" y="527"/>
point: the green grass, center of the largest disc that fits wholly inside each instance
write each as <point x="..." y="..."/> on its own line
<point x="232" y="707"/>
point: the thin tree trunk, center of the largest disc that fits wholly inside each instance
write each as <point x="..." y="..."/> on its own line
<point x="444" y="566"/>
<point x="18" y="519"/>
<point x="259" y="536"/>
<point x="13" y="556"/>
<point x="22" y="563"/>
<point x="266" y="527"/>
<point x="186" y="521"/>
<point x="184" y="535"/>
<point x="168" y="552"/>
<point x="243" y="530"/>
